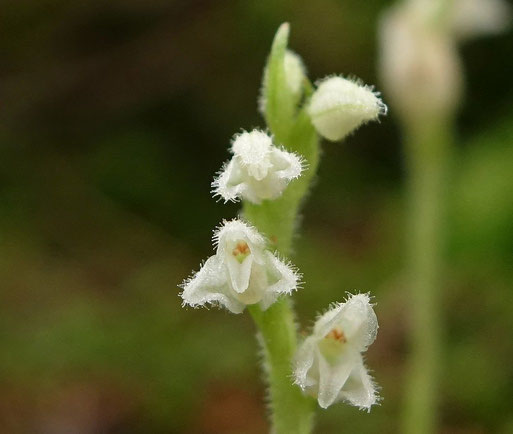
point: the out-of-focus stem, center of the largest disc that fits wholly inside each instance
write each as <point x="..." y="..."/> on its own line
<point x="427" y="154"/>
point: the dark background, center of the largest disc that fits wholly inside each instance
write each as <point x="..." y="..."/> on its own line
<point x="114" y="117"/>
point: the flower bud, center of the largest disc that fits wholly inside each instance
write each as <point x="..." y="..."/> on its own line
<point x="294" y="73"/>
<point x="339" y="106"/>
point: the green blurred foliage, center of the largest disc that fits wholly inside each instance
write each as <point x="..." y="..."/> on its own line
<point x="115" y="116"/>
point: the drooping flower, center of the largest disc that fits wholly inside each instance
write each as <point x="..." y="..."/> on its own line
<point x="257" y="171"/>
<point x="329" y="363"/>
<point x="339" y="106"/>
<point x="241" y="272"/>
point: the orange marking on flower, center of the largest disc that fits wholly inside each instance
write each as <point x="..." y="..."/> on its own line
<point x="241" y="248"/>
<point x="337" y="335"/>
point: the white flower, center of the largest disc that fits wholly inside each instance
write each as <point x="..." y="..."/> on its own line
<point x="258" y="170"/>
<point x="241" y="272"/>
<point x="339" y="106"/>
<point x="329" y="363"/>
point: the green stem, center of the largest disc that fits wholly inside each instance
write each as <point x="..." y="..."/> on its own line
<point x="292" y="412"/>
<point x="427" y="150"/>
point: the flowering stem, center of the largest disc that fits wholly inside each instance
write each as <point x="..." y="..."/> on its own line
<point x="292" y="412"/>
<point x="427" y="149"/>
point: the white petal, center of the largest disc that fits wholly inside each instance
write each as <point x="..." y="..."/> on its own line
<point x="229" y="182"/>
<point x="303" y="361"/>
<point x="282" y="279"/>
<point x="239" y="272"/>
<point x="339" y="106"/>
<point x="333" y="377"/>
<point x="252" y="149"/>
<point x="355" y="317"/>
<point x="359" y="389"/>
<point x="234" y="230"/>
<point x="286" y="164"/>
<point x="257" y="288"/>
<point x="327" y="321"/>
<point x="209" y="286"/>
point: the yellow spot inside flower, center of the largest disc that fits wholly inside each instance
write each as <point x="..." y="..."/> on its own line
<point x="241" y="251"/>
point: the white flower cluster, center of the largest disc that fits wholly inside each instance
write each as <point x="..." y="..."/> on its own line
<point x="243" y="271"/>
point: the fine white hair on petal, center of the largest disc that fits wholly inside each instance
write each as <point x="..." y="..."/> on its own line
<point x="258" y="170"/>
<point x="340" y="105"/>
<point x="284" y="279"/>
<point x="360" y="389"/>
<point x="332" y="378"/>
<point x="355" y="316"/>
<point x="220" y="188"/>
<point x="329" y="363"/>
<point x="237" y="228"/>
<point x="303" y="361"/>
<point x="209" y="286"/>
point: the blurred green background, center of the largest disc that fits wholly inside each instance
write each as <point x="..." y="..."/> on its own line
<point x="114" y="117"/>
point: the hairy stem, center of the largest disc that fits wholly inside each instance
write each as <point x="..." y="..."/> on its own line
<point x="292" y="412"/>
